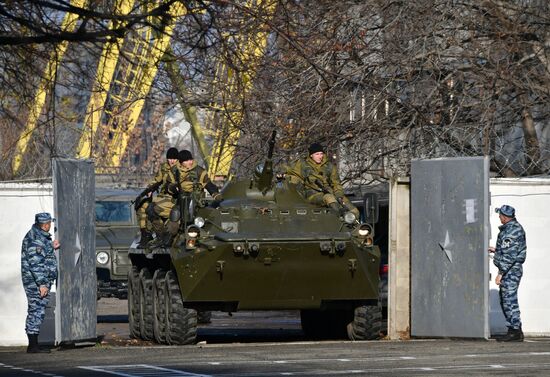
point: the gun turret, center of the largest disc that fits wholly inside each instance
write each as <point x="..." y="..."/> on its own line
<point x="264" y="176"/>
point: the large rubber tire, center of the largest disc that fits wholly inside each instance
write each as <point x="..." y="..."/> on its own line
<point x="330" y="324"/>
<point x="133" y="302"/>
<point x="204" y="317"/>
<point x="146" y="304"/>
<point x="159" y="317"/>
<point x="367" y="323"/>
<point x="181" y="323"/>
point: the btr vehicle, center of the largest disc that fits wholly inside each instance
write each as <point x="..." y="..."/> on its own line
<point x="115" y="227"/>
<point x="264" y="248"/>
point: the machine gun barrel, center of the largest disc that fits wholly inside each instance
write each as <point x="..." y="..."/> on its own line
<point x="265" y="178"/>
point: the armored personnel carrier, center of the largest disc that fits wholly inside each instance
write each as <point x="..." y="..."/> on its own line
<point x="264" y="248"/>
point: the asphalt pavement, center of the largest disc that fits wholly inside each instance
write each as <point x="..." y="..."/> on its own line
<point x="271" y="344"/>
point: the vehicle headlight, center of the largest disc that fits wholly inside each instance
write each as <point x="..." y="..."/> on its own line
<point x="364" y="230"/>
<point x="199" y="221"/>
<point x="349" y="217"/>
<point x="102" y="257"/>
<point x="193" y="231"/>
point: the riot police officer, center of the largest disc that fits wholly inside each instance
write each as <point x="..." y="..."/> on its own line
<point x="38" y="272"/>
<point x="510" y="253"/>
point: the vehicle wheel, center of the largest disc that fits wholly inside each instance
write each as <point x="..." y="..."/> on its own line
<point x="181" y="323"/>
<point x="146" y="304"/>
<point x="366" y="324"/>
<point x="204" y="316"/>
<point x="159" y="318"/>
<point x="324" y="324"/>
<point x="133" y="302"/>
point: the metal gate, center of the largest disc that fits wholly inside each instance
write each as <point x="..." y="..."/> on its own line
<point x="74" y="198"/>
<point x="449" y="237"/>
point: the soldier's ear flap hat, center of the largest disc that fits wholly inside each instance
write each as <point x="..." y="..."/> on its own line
<point x="43" y="218"/>
<point x="506" y="210"/>
<point x="184" y="155"/>
<point x="172" y="154"/>
<point x="315" y="147"/>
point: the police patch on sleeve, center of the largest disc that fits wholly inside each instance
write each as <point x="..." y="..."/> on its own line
<point x="506" y="242"/>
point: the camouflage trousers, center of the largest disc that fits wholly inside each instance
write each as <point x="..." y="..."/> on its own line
<point x="36" y="309"/>
<point x="141" y="214"/>
<point x="323" y="199"/>
<point x="509" y="298"/>
<point x="160" y="211"/>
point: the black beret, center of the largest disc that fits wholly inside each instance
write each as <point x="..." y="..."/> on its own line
<point x="172" y="154"/>
<point x="184" y="155"/>
<point x="315" y="147"/>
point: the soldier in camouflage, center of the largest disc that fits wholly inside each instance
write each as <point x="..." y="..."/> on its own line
<point x="317" y="179"/>
<point x="150" y="212"/>
<point x="190" y="180"/>
<point x="509" y="255"/>
<point x="194" y="179"/>
<point x="38" y="272"/>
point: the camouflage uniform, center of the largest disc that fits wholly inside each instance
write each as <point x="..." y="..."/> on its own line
<point x="163" y="203"/>
<point x="510" y="253"/>
<point x="194" y="181"/>
<point x="38" y="268"/>
<point x="319" y="183"/>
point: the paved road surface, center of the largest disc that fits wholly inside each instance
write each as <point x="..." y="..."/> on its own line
<point x="271" y="344"/>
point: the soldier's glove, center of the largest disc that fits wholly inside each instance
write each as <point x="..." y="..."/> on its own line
<point x="187" y="186"/>
<point x="172" y="189"/>
<point x="218" y="198"/>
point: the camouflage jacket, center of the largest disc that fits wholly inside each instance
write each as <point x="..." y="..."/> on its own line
<point x="511" y="248"/>
<point x="312" y="177"/>
<point x="38" y="262"/>
<point x="195" y="180"/>
<point x="165" y="180"/>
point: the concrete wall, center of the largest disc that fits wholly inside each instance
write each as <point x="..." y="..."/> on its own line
<point x="531" y="199"/>
<point x="399" y="260"/>
<point x="19" y="203"/>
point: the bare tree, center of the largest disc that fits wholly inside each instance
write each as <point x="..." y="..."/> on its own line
<point x="380" y="82"/>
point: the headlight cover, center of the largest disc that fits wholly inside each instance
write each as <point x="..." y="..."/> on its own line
<point x="364" y="230"/>
<point x="102" y="257"/>
<point x="199" y="221"/>
<point x="349" y="217"/>
<point x="193" y="231"/>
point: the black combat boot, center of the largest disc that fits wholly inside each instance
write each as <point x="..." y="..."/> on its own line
<point x="514" y="335"/>
<point x="146" y="237"/>
<point x="33" y="345"/>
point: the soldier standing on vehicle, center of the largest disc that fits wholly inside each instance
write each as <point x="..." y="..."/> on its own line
<point x="145" y="210"/>
<point x="194" y="179"/>
<point x="510" y="253"/>
<point x="318" y="180"/>
<point x="38" y="272"/>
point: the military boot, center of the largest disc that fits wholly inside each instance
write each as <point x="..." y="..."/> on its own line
<point x="514" y="335"/>
<point x="146" y="237"/>
<point x="33" y="345"/>
<point x="162" y="240"/>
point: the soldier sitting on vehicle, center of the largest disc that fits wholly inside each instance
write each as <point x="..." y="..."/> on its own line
<point x="194" y="179"/>
<point x="317" y="179"/>
<point x="151" y="214"/>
